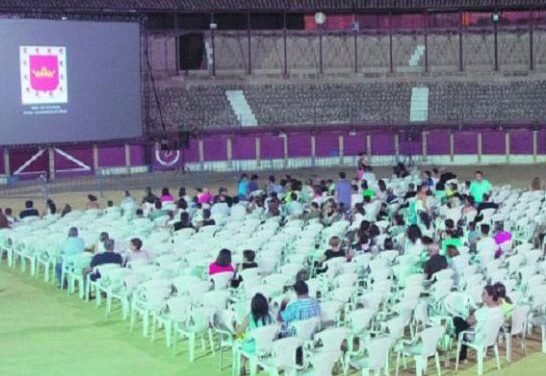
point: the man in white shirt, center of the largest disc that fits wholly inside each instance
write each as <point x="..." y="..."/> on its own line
<point x="294" y="208"/>
<point x="356" y="196"/>
<point x="486" y="246"/>
<point x="220" y="209"/>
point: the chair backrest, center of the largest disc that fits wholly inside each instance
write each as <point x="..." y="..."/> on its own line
<point x="284" y="352"/>
<point x="216" y="299"/>
<point x="179" y="308"/>
<point x="221" y="280"/>
<point x="332" y="338"/>
<point x="305" y="329"/>
<point x="490" y="332"/>
<point x="330" y="310"/>
<point x="378" y="352"/>
<point x="429" y="338"/>
<point x="361" y="319"/>
<point x="458" y="303"/>
<point x="324" y="362"/>
<point x="520" y="317"/>
<point x="263" y="337"/>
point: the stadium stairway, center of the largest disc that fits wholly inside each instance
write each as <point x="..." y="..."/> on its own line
<point x="241" y="108"/>
<point x="419" y="104"/>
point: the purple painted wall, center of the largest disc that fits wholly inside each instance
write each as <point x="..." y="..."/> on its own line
<point x="112" y="156"/>
<point x="83" y="154"/>
<point x="353" y="145"/>
<point x="466" y="143"/>
<point x="299" y="145"/>
<point x="493" y="142"/>
<point x="271" y="147"/>
<point x="521" y="142"/>
<point x="19" y="156"/>
<point x="541" y="142"/>
<point x="244" y="147"/>
<point x="383" y="144"/>
<point x="137" y="155"/>
<point x="2" y="163"/>
<point x="438" y="143"/>
<point x="327" y="144"/>
<point x="215" y="148"/>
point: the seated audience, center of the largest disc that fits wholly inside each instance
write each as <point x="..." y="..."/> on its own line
<point x="72" y="247"/>
<point x="106" y="257"/>
<point x="137" y="253"/>
<point x="302" y="309"/>
<point x="222" y="263"/>
<point x="29" y="211"/>
<point x="92" y="202"/>
<point x="185" y="222"/>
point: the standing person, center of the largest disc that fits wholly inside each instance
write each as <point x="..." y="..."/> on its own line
<point x="92" y="202"/>
<point x="253" y="186"/>
<point x="242" y="187"/>
<point x="343" y="190"/>
<point x="302" y="309"/>
<point x="149" y="196"/>
<point x="479" y="187"/>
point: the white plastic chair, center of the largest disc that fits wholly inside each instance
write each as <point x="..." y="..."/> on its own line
<point x="378" y="350"/>
<point x="424" y="347"/>
<point x="518" y="328"/>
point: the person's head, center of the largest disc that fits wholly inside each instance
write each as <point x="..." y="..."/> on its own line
<point x="127" y="194"/>
<point x="148" y="190"/>
<point x="243" y="177"/>
<point x="490" y="296"/>
<point x="259" y="307"/>
<point x="224" y="257"/>
<point x="452" y="250"/>
<point x="423" y="188"/>
<point x="388" y="244"/>
<point x="374" y="231"/>
<point x="271" y="179"/>
<point x="254" y="177"/>
<point x="29" y="204"/>
<point x="469" y="200"/>
<point x="450" y="224"/>
<point x="165" y="191"/>
<point x="103" y="236"/>
<point x="429" y="244"/>
<point x="315" y="206"/>
<point x="8" y="211"/>
<point x="182" y="204"/>
<point x="366" y="199"/>
<point x="136" y="244"/>
<point x="109" y="245"/>
<point x="92" y="198"/>
<point x="478" y="175"/>
<point x="440" y="186"/>
<point x="301" y="289"/>
<point x="364" y="226"/>
<point x="485" y="228"/>
<point x="110" y="203"/>
<point x="413" y="233"/>
<point x="428" y="174"/>
<point x="50" y="202"/>
<point x="158" y="205"/>
<point x="501" y="292"/>
<point x="249" y="255"/>
<point x="206" y="214"/>
<point x="73" y="232"/>
<point x="382" y="185"/>
<point x="185" y="217"/>
<point x="354" y="188"/>
<point x="294" y="196"/>
<point x="435" y="171"/>
<point x="364" y="185"/>
<point x="342" y="175"/>
<point x="335" y="243"/>
<point x="139" y="213"/>
<point x="411" y="187"/>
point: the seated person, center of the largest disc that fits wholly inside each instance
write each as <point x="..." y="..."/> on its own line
<point x="302" y="309"/>
<point x="436" y="261"/>
<point x="490" y="312"/>
<point x="106" y="257"/>
<point x="72" y="247"/>
<point x="137" y="253"/>
<point x="333" y="252"/>
<point x="92" y="202"/>
<point x="29" y="211"/>
<point x="158" y="210"/>
<point x="222" y="263"/>
<point x="185" y="222"/>
<point x="207" y="220"/>
<point x="486" y="247"/>
<point x="259" y="316"/>
<point x="248" y="263"/>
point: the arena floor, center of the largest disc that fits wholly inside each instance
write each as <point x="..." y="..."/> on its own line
<point x="46" y="332"/>
<point x="74" y="191"/>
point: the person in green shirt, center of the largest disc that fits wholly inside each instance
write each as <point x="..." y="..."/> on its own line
<point x="366" y="191"/>
<point x="479" y="187"/>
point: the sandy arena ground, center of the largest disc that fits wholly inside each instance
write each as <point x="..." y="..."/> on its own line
<point x="75" y="190"/>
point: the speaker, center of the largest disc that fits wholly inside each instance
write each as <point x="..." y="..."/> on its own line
<point x="184" y="139"/>
<point x="191" y="51"/>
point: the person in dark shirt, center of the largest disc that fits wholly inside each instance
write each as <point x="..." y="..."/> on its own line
<point x="51" y="207"/>
<point x="411" y="192"/>
<point x="207" y="220"/>
<point x="334" y="251"/>
<point x="185" y="222"/>
<point x="29" y="210"/>
<point x="149" y="196"/>
<point x="253" y="185"/>
<point x="3" y="220"/>
<point x="486" y="204"/>
<point x="107" y="257"/>
<point x="248" y="263"/>
<point x="446" y="176"/>
<point x="436" y="262"/>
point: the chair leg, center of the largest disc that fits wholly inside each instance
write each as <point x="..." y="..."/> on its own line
<point x="211" y="341"/>
<point x="419" y="363"/>
<point x="397" y="363"/>
<point x="543" y="332"/>
<point x="480" y="355"/>
<point x="457" y="355"/>
<point x="191" y="346"/>
<point x="508" y="347"/>
<point x="497" y="356"/>
<point x="438" y="367"/>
